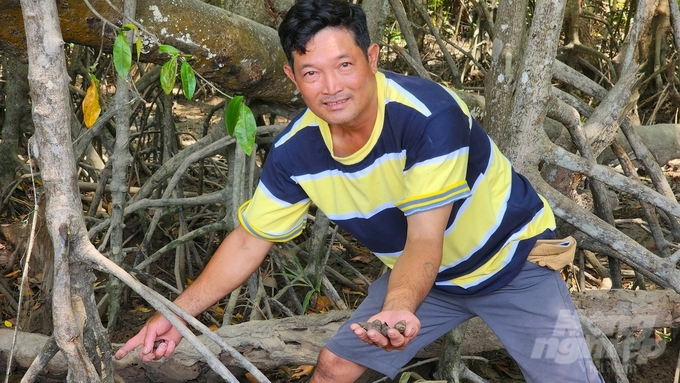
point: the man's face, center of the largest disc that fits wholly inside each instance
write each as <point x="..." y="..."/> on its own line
<point x="336" y="80"/>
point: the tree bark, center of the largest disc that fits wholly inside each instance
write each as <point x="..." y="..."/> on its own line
<point x="120" y="161"/>
<point x="239" y="55"/>
<point x="507" y="55"/>
<point x="266" y="12"/>
<point x="376" y="17"/>
<point x="51" y="147"/>
<point x="451" y="367"/>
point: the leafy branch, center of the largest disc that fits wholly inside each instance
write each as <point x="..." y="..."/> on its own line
<point x="169" y="72"/>
<point x="239" y="119"/>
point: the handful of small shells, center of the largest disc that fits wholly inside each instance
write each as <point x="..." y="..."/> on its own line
<point x="382" y="327"/>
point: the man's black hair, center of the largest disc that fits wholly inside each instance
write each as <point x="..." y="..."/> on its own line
<point x="307" y="17"/>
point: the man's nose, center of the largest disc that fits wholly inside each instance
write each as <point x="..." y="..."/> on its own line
<point x="332" y="84"/>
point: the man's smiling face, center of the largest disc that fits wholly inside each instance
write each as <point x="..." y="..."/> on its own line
<point x="335" y="78"/>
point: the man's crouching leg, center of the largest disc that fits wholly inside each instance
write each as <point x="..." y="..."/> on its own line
<point x="334" y="369"/>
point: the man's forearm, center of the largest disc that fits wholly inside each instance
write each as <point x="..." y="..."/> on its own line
<point x="413" y="275"/>
<point x="416" y="268"/>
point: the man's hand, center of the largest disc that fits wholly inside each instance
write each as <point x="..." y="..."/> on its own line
<point x="157" y="331"/>
<point x="394" y="339"/>
<point x="410" y="280"/>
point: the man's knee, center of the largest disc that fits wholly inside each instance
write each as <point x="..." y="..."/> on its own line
<point x="333" y="368"/>
<point x="330" y="364"/>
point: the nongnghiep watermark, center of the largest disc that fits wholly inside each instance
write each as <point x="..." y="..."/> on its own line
<point x="567" y="343"/>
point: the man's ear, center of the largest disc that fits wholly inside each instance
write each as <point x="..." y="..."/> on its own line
<point x="373" y="53"/>
<point x="289" y="72"/>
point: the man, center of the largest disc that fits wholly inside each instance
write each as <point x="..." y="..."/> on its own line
<point x="400" y="164"/>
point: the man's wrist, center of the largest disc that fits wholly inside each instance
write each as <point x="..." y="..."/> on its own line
<point x="397" y="305"/>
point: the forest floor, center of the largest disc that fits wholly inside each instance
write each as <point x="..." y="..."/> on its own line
<point x="497" y="366"/>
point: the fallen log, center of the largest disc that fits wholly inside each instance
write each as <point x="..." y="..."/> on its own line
<point x="239" y="55"/>
<point x="297" y="340"/>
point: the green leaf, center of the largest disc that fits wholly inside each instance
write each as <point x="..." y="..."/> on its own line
<point x="405" y="377"/>
<point x="130" y="27"/>
<point x="246" y="130"/>
<point x="306" y="300"/>
<point x="188" y="80"/>
<point x="169" y="49"/>
<point x="122" y="57"/>
<point x="94" y="79"/>
<point x="168" y="74"/>
<point x="232" y="113"/>
<point x="138" y="46"/>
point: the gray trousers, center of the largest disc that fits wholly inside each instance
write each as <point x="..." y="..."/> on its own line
<point x="533" y="316"/>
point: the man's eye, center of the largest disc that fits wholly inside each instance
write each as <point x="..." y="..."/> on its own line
<point x="345" y="65"/>
<point x="310" y="73"/>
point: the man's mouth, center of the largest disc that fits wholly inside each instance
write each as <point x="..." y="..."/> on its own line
<point x="335" y="102"/>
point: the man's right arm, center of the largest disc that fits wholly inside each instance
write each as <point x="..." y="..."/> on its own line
<point x="237" y="257"/>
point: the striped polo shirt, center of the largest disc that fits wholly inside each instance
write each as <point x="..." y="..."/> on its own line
<point x="425" y="151"/>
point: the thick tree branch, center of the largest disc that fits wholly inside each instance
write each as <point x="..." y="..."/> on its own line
<point x="603" y="123"/>
<point x="560" y="157"/>
<point x="239" y="55"/>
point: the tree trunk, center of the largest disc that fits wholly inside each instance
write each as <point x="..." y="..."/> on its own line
<point x="376" y="17"/>
<point x="451" y="367"/>
<point x="51" y="146"/>
<point x="120" y="161"/>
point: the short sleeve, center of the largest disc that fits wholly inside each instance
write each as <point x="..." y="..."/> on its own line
<point x="278" y="210"/>
<point x="437" y="161"/>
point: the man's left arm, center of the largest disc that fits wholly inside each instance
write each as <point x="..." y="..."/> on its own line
<point x="411" y="279"/>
